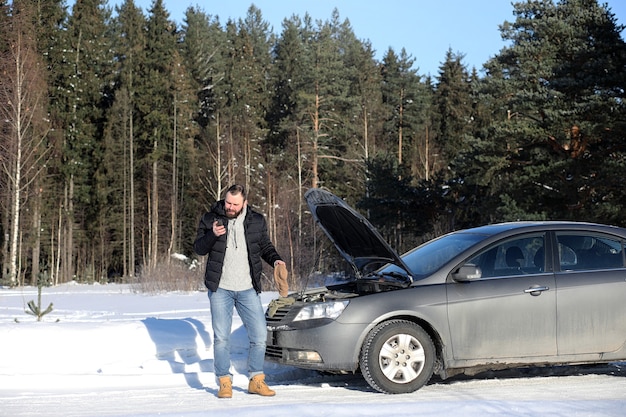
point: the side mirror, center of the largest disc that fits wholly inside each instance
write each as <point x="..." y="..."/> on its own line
<point x="467" y="273"/>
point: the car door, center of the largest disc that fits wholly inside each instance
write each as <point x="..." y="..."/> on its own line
<point x="591" y="288"/>
<point x="510" y="311"/>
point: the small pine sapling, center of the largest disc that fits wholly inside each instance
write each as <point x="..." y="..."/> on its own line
<point x="35" y="309"/>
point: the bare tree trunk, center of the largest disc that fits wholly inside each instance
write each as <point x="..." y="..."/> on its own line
<point x="316" y="133"/>
<point x="131" y="176"/>
<point x="16" y="179"/>
<point x="268" y="211"/>
<point x="20" y="271"/>
<point x="125" y="203"/>
<point x="15" y="112"/>
<point x="5" y="242"/>
<point x="174" y="197"/>
<point x="231" y="154"/>
<point x="36" y="230"/>
<point x="292" y="257"/>
<point x="154" y="223"/>
<point x="67" y="263"/>
<point x="57" y="264"/>
<point x="247" y="160"/>
<point x="366" y="150"/>
<point x="427" y="156"/>
<point x="400" y="122"/>
<point x="300" y="187"/>
<point x="218" y="162"/>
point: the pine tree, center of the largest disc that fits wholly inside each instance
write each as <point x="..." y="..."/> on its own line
<point x="289" y="65"/>
<point x="324" y="99"/>
<point x="117" y="172"/>
<point x="183" y="207"/>
<point x="115" y="179"/>
<point x="288" y="119"/>
<point x="288" y="128"/>
<point x="247" y="66"/>
<point x="36" y="309"/>
<point x="83" y="96"/>
<point x="553" y="149"/>
<point x="155" y="103"/>
<point x="202" y="50"/>
<point x="363" y="117"/>
<point x="54" y="41"/>
<point x="400" y="88"/>
<point x="354" y="108"/>
<point x="454" y="106"/>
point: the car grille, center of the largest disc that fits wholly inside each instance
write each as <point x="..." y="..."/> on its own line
<point x="282" y="316"/>
<point x="280" y="320"/>
<point x="273" y="352"/>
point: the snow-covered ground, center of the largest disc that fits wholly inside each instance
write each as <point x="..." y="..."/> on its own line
<point x="106" y="350"/>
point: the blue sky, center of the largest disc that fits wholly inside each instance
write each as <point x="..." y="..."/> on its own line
<point x="425" y="28"/>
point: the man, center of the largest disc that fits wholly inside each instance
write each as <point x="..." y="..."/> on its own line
<point x="235" y="238"/>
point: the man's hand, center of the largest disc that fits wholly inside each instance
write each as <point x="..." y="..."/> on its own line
<point x="218" y="228"/>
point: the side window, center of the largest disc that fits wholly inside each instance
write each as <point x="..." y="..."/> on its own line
<point x="520" y="256"/>
<point x="585" y="251"/>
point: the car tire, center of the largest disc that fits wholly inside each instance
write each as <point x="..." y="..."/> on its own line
<point x="397" y="357"/>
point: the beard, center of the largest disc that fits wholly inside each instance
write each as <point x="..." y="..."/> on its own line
<point x="232" y="214"/>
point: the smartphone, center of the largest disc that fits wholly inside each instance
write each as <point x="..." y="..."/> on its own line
<point x="220" y="222"/>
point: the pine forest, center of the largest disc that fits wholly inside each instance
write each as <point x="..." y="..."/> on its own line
<point x="120" y="127"/>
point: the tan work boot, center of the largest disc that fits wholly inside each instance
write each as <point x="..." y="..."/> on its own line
<point x="257" y="385"/>
<point x="226" y="387"/>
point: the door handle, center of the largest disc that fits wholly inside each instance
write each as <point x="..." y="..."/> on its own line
<point x="536" y="290"/>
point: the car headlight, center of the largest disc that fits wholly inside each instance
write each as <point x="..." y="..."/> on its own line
<point x="325" y="310"/>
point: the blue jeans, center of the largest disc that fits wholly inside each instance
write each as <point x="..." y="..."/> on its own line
<point x="250" y="310"/>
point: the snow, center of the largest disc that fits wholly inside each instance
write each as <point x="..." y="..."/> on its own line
<point x="107" y="350"/>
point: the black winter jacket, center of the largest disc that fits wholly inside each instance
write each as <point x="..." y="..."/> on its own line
<point x="259" y="245"/>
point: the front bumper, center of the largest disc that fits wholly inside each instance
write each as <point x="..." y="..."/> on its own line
<point x="324" y="344"/>
<point x="332" y="347"/>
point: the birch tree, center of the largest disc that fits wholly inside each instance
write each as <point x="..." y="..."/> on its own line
<point x="22" y="110"/>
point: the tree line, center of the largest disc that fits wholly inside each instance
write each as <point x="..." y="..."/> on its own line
<point x="119" y="128"/>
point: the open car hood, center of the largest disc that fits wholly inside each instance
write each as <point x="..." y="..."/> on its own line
<point x="355" y="238"/>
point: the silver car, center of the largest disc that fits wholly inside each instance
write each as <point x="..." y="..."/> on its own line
<point x="493" y="297"/>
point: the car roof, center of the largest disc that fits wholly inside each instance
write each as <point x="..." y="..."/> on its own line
<point x="493" y="229"/>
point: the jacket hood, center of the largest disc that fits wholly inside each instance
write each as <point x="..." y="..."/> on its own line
<point x="353" y="235"/>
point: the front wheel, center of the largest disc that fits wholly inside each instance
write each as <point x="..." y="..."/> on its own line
<point x="397" y="357"/>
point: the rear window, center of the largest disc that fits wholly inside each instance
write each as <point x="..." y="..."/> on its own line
<point x="579" y="251"/>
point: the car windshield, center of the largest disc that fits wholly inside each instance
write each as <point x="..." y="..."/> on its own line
<point x="432" y="255"/>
